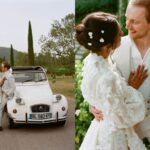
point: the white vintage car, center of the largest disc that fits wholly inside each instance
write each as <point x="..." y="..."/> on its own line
<point x="33" y="101"/>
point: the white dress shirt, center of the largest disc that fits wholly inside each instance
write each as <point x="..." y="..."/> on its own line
<point x="127" y="58"/>
<point x="136" y="60"/>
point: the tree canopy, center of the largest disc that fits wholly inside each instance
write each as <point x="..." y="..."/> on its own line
<point x="83" y="7"/>
<point x="57" y="48"/>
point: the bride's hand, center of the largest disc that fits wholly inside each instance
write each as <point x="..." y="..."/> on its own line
<point x="97" y="113"/>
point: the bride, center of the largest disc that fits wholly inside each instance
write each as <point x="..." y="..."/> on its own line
<point x="2" y="79"/>
<point x="103" y="87"/>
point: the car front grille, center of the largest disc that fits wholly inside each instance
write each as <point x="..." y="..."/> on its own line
<point x="40" y="108"/>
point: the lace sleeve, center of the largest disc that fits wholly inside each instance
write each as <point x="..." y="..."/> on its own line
<point x="122" y="104"/>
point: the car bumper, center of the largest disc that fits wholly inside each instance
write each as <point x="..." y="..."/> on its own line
<point x="35" y="121"/>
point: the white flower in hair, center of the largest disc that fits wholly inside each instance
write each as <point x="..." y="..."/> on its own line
<point x="102" y="31"/>
<point x="101" y="40"/>
<point x="89" y="44"/>
<point x="90" y="35"/>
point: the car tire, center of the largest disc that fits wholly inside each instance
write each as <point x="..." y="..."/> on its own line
<point x="11" y="123"/>
<point x="62" y="123"/>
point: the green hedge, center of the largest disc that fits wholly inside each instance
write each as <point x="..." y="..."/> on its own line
<point x="83" y="117"/>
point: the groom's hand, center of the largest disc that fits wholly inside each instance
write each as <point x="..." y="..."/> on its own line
<point x="137" y="77"/>
<point x="97" y="113"/>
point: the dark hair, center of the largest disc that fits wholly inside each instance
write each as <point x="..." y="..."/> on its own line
<point x="103" y="28"/>
<point x="6" y="65"/>
<point x="142" y="3"/>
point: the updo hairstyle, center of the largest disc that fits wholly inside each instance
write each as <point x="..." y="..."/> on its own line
<point x="97" y="30"/>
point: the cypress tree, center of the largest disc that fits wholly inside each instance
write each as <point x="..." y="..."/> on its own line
<point x="11" y="55"/>
<point x="30" y="46"/>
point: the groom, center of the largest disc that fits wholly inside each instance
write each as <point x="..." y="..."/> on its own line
<point x="133" y="56"/>
<point x="8" y="88"/>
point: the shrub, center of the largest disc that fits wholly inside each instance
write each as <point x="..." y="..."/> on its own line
<point x="83" y="117"/>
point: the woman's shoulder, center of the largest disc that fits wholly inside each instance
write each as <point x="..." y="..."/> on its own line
<point x="93" y="58"/>
<point x="94" y="64"/>
<point x="95" y="61"/>
<point x="97" y="69"/>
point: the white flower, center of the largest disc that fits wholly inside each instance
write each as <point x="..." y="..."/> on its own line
<point x="90" y="35"/>
<point x="102" y="31"/>
<point x="101" y="40"/>
<point x="77" y="112"/>
<point x="89" y="44"/>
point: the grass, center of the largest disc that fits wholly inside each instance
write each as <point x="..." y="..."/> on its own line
<point x="63" y="85"/>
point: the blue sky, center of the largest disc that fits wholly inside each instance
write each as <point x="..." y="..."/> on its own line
<point x="15" y="15"/>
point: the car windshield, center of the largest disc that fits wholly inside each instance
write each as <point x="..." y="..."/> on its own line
<point x="29" y="76"/>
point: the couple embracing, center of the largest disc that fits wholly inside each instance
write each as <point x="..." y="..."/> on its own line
<point x="115" y="81"/>
<point x="7" y="88"/>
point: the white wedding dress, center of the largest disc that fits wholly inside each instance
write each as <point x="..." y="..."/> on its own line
<point x="1" y="74"/>
<point x="122" y="107"/>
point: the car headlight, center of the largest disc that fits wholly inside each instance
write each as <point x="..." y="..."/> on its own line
<point x="58" y="97"/>
<point x="18" y="100"/>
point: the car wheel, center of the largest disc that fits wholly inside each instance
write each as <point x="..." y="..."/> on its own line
<point x="11" y="123"/>
<point x="62" y="123"/>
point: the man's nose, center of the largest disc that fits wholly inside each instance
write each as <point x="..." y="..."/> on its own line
<point x="128" y="25"/>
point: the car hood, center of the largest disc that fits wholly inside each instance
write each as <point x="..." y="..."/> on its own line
<point x="34" y="94"/>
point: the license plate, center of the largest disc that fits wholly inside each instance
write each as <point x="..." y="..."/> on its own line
<point x="40" y="116"/>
